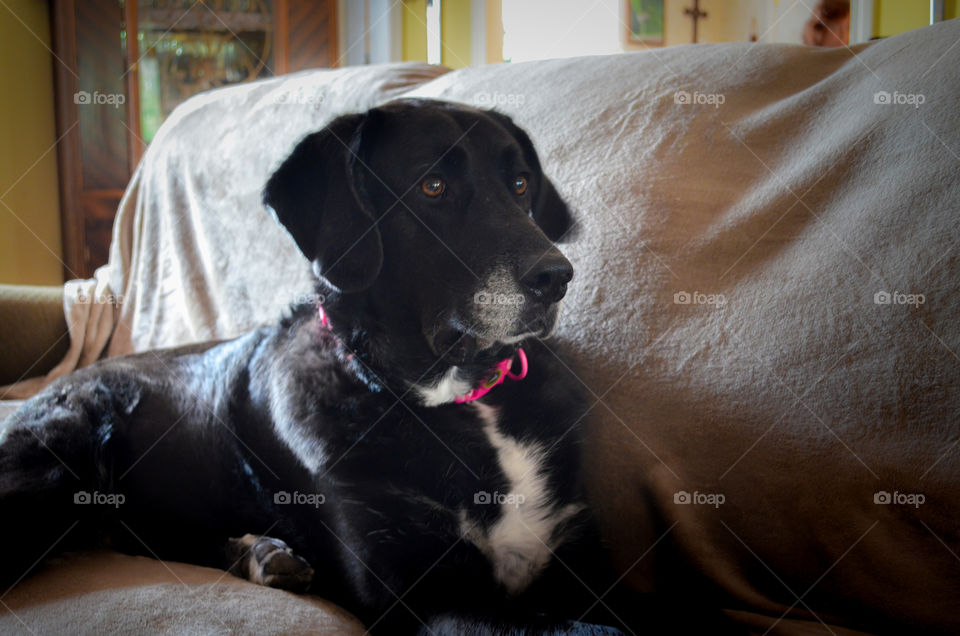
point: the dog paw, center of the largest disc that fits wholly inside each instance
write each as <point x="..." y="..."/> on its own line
<point x="268" y="561"/>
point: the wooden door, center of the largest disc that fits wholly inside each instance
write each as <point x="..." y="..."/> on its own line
<point x="107" y="109"/>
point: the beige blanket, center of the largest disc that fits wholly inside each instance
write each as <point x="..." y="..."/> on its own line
<point x="765" y="309"/>
<point x="108" y="593"/>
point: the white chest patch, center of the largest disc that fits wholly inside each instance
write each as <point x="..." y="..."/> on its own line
<point x="521" y="542"/>
<point x="446" y="390"/>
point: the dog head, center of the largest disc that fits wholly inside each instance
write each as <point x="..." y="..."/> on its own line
<point x="431" y="228"/>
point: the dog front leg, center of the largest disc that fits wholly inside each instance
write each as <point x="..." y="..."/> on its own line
<point x="268" y="561"/>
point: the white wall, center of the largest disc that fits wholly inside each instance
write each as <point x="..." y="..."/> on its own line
<point x="538" y="29"/>
<point x="737" y="20"/>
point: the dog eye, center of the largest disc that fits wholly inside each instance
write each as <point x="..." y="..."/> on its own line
<point x="433" y="186"/>
<point x="520" y="185"/>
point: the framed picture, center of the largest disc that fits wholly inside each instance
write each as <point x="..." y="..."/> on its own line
<point x="644" y="23"/>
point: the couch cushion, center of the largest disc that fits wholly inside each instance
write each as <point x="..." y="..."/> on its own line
<point x="34" y="335"/>
<point x="106" y="592"/>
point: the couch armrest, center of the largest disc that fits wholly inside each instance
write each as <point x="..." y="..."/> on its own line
<point x="33" y="331"/>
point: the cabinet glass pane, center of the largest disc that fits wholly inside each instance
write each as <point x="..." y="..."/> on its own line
<point x="187" y="47"/>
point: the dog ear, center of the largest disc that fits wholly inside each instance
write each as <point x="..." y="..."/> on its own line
<point x="550" y="212"/>
<point x="312" y="194"/>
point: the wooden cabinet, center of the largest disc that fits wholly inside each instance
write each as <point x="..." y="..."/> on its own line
<point x="124" y="65"/>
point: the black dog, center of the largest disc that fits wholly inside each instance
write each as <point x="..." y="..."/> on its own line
<point x="332" y="453"/>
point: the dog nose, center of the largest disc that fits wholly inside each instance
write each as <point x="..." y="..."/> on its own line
<point x="547" y="279"/>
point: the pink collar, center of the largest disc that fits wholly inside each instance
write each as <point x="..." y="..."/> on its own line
<point x="500" y="373"/>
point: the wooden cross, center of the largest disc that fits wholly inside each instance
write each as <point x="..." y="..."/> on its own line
<point x="696" y="14"/>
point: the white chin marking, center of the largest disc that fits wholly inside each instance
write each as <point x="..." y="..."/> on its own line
<point x="447" y="389"/>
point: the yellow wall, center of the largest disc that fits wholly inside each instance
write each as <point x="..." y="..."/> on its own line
<point x="415" y="30"/>
<point x="29" y="246"/>
<point x="455" y="31"/>
<point x="455" y="18"/>
<point x="891" y="17"/>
